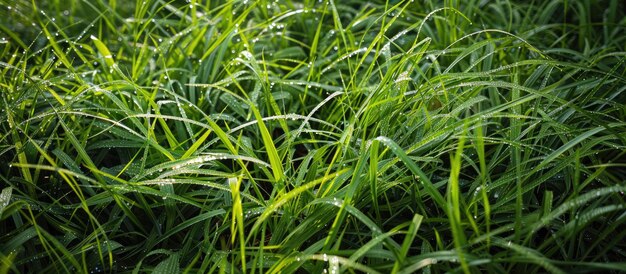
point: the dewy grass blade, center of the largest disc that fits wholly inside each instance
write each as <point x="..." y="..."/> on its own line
<point x="5" y="198"/>
<point x="194" y="147"/>
<point x="408" y="241"/>
<point x="529" y="255"/>
<point x="421" y="176"/>
<point x="291" y="195"/>
<point x="454" y="202"/>
<point x="169" y="265"/>
<point x="57" y="49"/>
<point x="104" y="51"/>
<point x="270" y="148"/>
<point x="558" y="152"/>
<point x="373" y="177"/>
<point x="236" y="225"/>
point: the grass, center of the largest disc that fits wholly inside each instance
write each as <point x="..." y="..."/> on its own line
<point x="312" y="136"/>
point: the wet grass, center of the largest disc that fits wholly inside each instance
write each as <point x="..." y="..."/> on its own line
<point x="312" y="136"/>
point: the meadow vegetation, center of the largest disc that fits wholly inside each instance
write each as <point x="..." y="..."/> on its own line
<point x="312" y="136"/>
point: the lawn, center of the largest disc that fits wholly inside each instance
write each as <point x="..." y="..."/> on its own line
<point x="312" y="136"/>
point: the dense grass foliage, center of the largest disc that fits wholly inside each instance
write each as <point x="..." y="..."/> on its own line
<point x="312" y="136"/>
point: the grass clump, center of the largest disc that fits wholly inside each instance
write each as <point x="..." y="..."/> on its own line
<point x="312" y="136"/>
